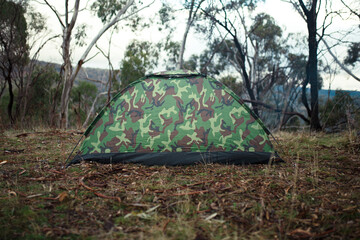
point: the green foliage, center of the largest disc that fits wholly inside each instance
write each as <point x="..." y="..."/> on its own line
<point x="340" y="111"/>
<point x="192" y="63"/>
<point x="84" y="91"/>
<point x="166" y="16"/>
<point x="230" y="81"/>
<point x="140" y="58"/>
<point x="82" y="97"/>
<point x="224" y="54"/>
<point x="13" y="26"/>
<point x="13" y="36"/>
<point x="250" y="4"/>
<point x="43" y="93"/>
<point x="106" y="9"/>
<point x="353" y="54"/>
<point x="297" y="65"/>
<point x="266" y="35"/>
<point x="36" y="22"/>
<point x="20" y="25"/>
<point x="265" y="31"/>
<point x="172" y="50"/>
<point x="80" y="35"/>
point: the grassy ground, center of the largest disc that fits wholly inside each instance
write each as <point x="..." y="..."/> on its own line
<point x="314" y="195"/>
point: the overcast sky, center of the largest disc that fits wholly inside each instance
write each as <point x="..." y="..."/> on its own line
<point x="283" y="13"/>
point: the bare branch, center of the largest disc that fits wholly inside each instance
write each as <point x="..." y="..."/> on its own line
<point x="93" y="108"/>
<point x="100" y="33"/>
<point x="88" y="59"/>
<point x="339" y="63"/>
<point x="259" y="103"/>
<point x="303" y="7"/>
<point x="74" y="16"/>
<point x="43" y="44"/>
<point x="351" y="10"/>
<point x="55" y="12"/>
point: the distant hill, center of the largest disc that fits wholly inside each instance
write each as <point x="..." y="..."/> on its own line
<point x="99" y="74"/>
<point x="85" y="73"/>
<point x="325" y="92"/>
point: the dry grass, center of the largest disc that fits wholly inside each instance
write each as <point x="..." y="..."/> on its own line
<point x="315" y="194"/>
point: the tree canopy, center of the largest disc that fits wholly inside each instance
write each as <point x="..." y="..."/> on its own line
<point x="277" y="71"/>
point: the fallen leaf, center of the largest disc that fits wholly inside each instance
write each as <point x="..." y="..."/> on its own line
<point x="213" y="206"/>
<point x="350" y="208"/>
<point x="152" y="209"/>
<point x="211" y="217"/>
<point x="62" y="196"/>
<point x="35" y="195"/>
<point x="301" y="233"/>
<point x="12" y="193"/>
<point x="3" y="162"/>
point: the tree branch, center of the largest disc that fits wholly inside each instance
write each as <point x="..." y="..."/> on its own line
<point x="352" y="11"/>
<point x="303" y="7"/>
<point x="55" y="12"/>
<point x="268" y="106"/>
<point x="338" y="62"/>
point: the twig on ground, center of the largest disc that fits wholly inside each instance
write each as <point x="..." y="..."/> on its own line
<point x="96" y="193"/>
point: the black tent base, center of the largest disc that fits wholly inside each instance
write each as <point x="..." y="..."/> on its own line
<point x="180" y="158"/>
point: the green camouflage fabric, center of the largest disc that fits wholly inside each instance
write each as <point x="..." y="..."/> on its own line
<point x="176" y="111"/>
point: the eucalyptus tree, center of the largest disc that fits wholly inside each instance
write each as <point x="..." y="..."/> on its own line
<point x="39" y="36"/>
<point x="169" y="17"/>
<point x="140" y="57"/>
<point x="253" y="49"/>
<point x="110" y="12"/>
<point x="353" y="54"/>
<point x="14" y="49"/>
<point x="319" y="16"/>
<point x="192" y="6"/>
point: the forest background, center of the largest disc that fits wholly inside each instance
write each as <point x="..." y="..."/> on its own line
<point x="288" y="75"/>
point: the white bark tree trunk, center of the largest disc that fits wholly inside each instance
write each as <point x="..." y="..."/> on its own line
<point x="92" y="109"/>
<point x="69" y="75"/>
<point x="192" y="14"/>
<point x="66" y="67"/>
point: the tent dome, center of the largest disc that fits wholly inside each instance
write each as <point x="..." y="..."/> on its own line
<point x="176" y="118"/>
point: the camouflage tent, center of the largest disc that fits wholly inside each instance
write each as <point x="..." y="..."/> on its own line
<point x="176" y="118"/>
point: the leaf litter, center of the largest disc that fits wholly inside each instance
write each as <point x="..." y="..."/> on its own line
<point x="314" y="194"/>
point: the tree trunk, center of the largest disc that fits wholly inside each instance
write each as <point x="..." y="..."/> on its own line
<point x="69" y="75"/>
<point x="183" y="43"/>
<point x="304" y="99"/>
<point x="310" y="16"/>
<point x="11" y="100"/>
<point x="53" y="102"/>
<point x="245" y="75"/>
<point x="65" y="95"/>
<point x="182" y="50"/>
<point x="92" y="110"/>
<point x="312" y="68"/>
<point x="282" y="116"/>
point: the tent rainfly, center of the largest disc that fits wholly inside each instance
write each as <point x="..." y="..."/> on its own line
<point x="176" y="118"/>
